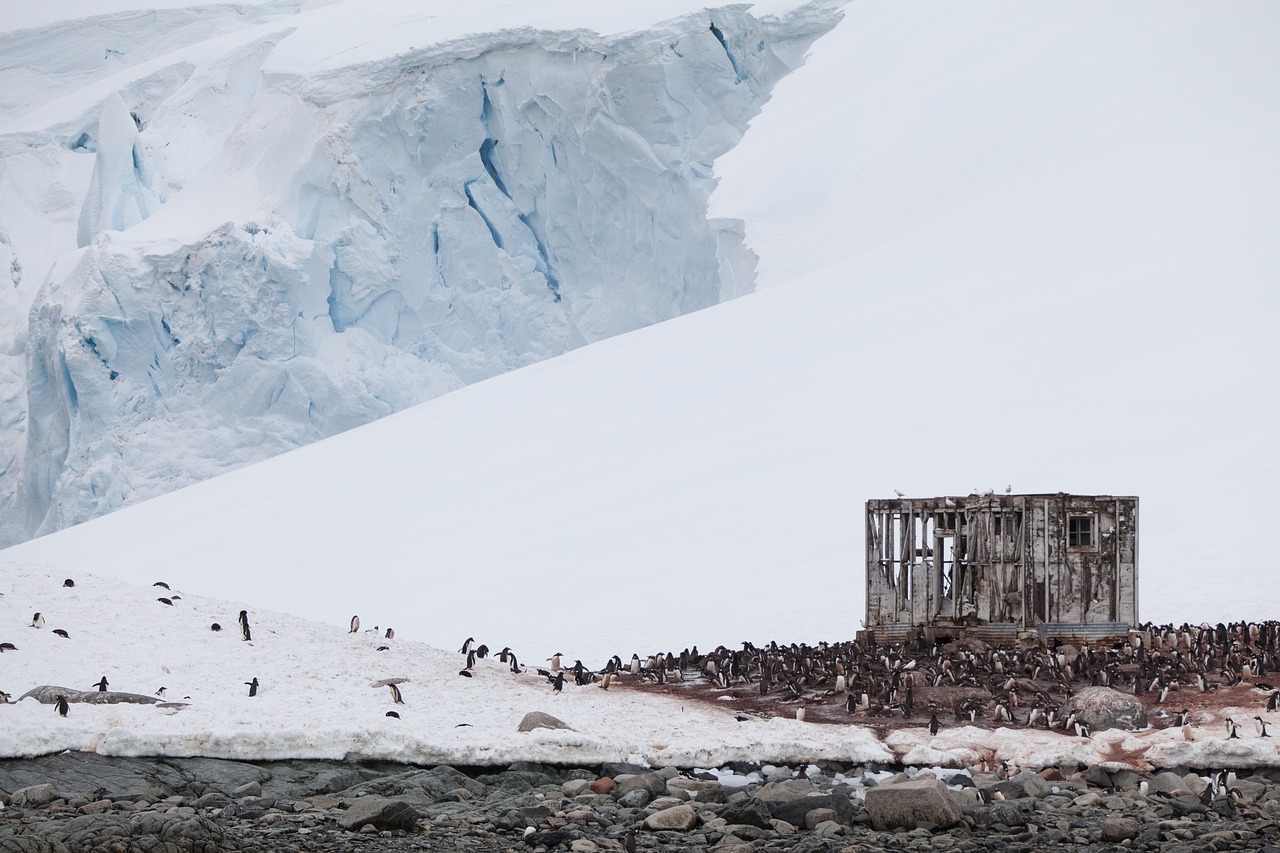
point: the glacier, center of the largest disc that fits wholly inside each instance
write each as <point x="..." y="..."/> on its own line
<point x="233" y="246"/>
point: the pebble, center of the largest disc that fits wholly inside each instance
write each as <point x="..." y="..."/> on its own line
<point x="205" y="805"/>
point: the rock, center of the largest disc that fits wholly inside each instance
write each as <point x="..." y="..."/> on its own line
<point x="636" y="798"/>
<point x="1051" y="774"/>
<point x="796" y="810"/>
<point x="539" y="720"/>
<point x="651" y="783"/>
<point x="750" y="812"/>
<point x="711" y="792"/>
<point x="622" y="768"/>
<point x="249" y="789"/>
<point x="782" y="827"/>
<point x="1087" y="799"/>
<point x="1124" y="780"/>
<point x="1119" y="828"/>
<point x="679" y="818"/>
<point x="1009" y="814"/>
<point x="575" y="787"/>
<point x="603" y="785"/>
<point x="1103" y="708"/>
<point x="380" y="814"/>
<point x="1167" y="783"/>
<point x="816" y="816"/>
<point x="33" y="795"/>
<point x="583" y="845"/>
<point x="905" y="804"/>
<point x="828" y="829"/>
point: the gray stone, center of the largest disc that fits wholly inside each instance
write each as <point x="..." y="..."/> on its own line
<point x="1103" y="708"/>
<point x="1009" y="814"/>
<point x="583" y="845"/>
<point x="816" y="816"/>
<point x="1167" y="783"/>
<point x="249" y="789"/>
<point x="679" y="818"/>
<point x="795" y="810"/>
<point x="1119" y="828"/>
<point x="380" y="814"/>
<point x="575" y="787"/>
<point x="1124" y="780"/>
<point x="33" y="795"/>
<point x="651" y="783"/>
<point x="614" y="769"/>
<point x="711" y="792"/>
<point x="905" y="804"/>
<point x="539" y="720"/>
<point x="750" y="813"/>
<point x="828" y="829"/>
<point x="636" y="798"/>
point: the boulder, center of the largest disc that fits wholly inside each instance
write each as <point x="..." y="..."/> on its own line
<point x="1102" y="708"/>
<point x="33" y="795"/>
<point x="749" y="813"/>
<point x="680" y="818"/>
<point x="816" y="816"/>
<point x="380" y="814"/>
<point x="539" y="720"/>
<point x="904" y="804"/>
<point x="603" y="785"/>
<point x="651" y="783"/>
<point x="1168" y="783"/>
<point x="1116" y="829"/>
<point x="796" y="810"/>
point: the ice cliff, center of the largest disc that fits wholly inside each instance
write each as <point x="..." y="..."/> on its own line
<point x="283" y="236"/>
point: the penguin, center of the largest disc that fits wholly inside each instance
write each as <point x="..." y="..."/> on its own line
<point x="393" y="714"/>
<point x="1232" y="730"/>
<point x="557" y="682"/>
<point x="7" y="647"/>
<point x="390" y="635"/>
<point x="395" y="695"/>
<point x="1184" y="717"/>
<point x="165" y="601"/>
<point x="102" y="685"/>
<point x="471" y="659"/>
<point x="61" y="633"/>
<point x="244" y="626"/>
<point x="1262" y="727"/>
<point x="61" y="703"/>
<point x="1082" y="730"/>
<point x="215" y="627"/>
<point x="37" y="621"/>
<point x="608" y="677"/>
<point x="161" y="584"/>
<point x="4" y="698"/>
<point x="502" y="655"/>
<point x="68" y="583"/>
<point x="466" y="646"/>
<point x="1273" y="700"/>
<point x="635" y="664"/>
<point x="799" y="715"/>
<point x="382" y="648"/>
<point x="465" y="673"/>
<point x="253" y="686"/>
<point x="482" y="651"/>
<point x="515" y="664"/>
<point x="629" y="842"/>
<point x="160" y="692"/>
<point x="934" y="725"/>
<point x="555" y="662"/>
<point x="355" y="624"/>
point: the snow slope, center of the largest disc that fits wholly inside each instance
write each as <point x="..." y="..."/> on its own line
<point x="1025" y="245"/>
<point x="247" y="228"/>
<point x="320" y="696"/>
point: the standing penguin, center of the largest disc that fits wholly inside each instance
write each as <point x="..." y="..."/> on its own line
<point x="395" y="695"/>
<point x="244" y="625"/>
<point x="37" y="621"/>
<point x="558" y="682"/>
<point x="61" y="703"/>
<point x="1262" y="727"/>
<point x="102" y="685"/>
<point x="355" y="624"/>
<point x="934" y="725"/>
<point x="391" y="634"/>
<point x="253" y="686"/>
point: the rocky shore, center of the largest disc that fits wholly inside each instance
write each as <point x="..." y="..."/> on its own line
<point x="84" y="802"/>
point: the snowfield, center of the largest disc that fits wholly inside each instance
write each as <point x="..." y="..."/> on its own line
<point x="317" y="699"/>
<point x="998" y="243"/>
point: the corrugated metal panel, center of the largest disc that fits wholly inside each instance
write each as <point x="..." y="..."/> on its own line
<point x="1088" y="632"/>
<point x="994" y="632"/>
<point x="893" y="632"/>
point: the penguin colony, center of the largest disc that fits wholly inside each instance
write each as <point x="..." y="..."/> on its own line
<point x="968" y="682"/>
<point x="962" y="682"/>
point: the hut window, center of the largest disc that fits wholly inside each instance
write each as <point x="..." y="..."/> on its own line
<point x="1080" y="531"/>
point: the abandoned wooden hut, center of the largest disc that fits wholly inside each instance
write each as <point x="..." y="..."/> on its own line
<point x="998" y="567"/>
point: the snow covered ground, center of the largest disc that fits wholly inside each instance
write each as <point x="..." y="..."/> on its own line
<point x="317" y="699"/>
